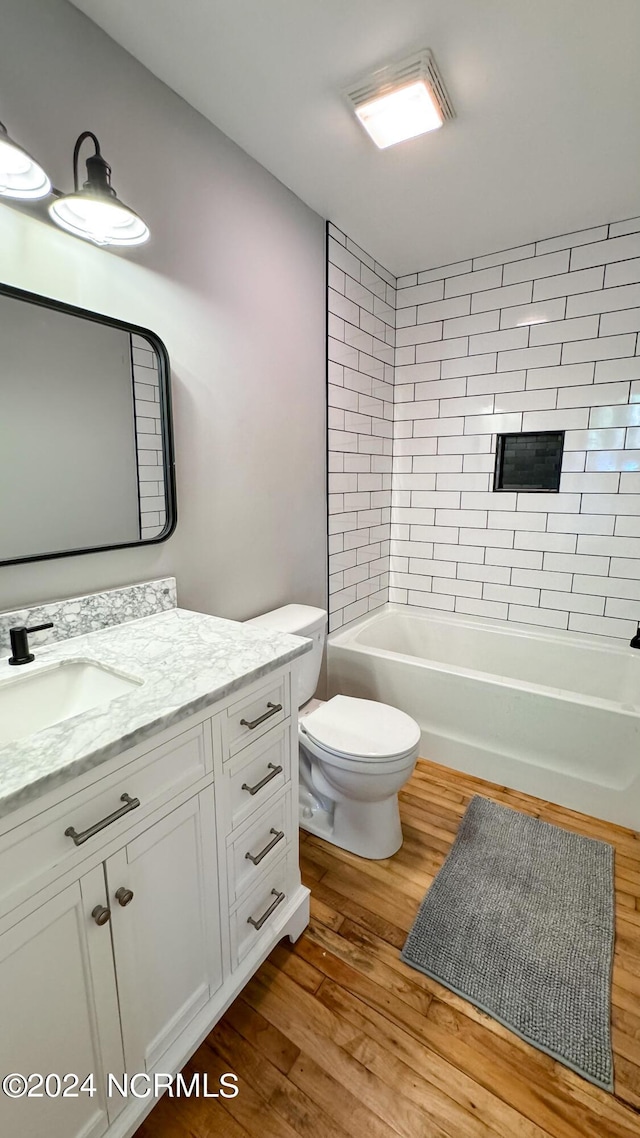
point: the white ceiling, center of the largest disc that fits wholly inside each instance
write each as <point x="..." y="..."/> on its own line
<point x="547" y="94"/>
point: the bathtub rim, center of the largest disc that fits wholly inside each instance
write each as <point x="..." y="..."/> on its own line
<point x="346" y="638"/>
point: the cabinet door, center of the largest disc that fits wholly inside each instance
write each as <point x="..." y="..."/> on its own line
<point x="167" y="934"/>
<point x="59" y="1014"/>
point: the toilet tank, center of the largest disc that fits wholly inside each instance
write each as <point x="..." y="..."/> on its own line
<point x="300" y="620"/>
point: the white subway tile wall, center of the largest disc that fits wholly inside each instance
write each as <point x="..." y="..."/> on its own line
<point x="361" y="344"/>
<point x="149" y="438"/>
<point x="542" y="337"/>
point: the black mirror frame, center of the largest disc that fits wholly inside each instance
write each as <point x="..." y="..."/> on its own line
<point x="166" y="419"/>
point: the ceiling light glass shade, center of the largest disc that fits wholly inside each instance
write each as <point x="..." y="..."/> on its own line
<point x="397" y="115"/>
<point x="103" y="220"/>
<point x="20" y="175"/>
<point x="95" y="212"/>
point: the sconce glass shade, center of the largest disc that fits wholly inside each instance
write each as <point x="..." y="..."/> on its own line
<point x="103" y="220"/>
<point x="95" y="211"/>
<point x="20" y="175"/>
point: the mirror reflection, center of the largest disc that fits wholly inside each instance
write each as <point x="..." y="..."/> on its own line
<point x="85" y="432"/>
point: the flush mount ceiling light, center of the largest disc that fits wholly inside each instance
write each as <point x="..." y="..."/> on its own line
<point x="402" y="100"/>
<point x="95" y="212"/>
<point x="21" y="177"/>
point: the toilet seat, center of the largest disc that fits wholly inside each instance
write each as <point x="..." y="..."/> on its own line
<point x="361" y="730"/>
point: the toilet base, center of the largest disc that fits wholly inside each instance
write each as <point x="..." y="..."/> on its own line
<point x="369" y="829"/>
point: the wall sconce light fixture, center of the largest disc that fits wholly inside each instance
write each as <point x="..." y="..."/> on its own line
<point x="20" y="175"/>
<point x="95" y="211"/>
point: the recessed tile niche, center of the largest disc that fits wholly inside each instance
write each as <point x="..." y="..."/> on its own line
<point x="529" y="462"/>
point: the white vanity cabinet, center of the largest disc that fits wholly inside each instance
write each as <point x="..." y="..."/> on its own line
<point x="59" y="1014"/>
<point x="137" y="900"/>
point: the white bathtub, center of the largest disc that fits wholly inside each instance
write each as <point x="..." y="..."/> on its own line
<point x="555" y="714"/>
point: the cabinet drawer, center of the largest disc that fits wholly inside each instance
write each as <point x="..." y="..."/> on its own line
<point x="256" y="775"/>
<point x="40" y="850"/>
<point x="258" y="912"/>
<point x="258" y="712"/>
<point x="258" y="846"/>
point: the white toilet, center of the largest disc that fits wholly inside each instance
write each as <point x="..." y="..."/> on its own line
<point x="355" y="754"/>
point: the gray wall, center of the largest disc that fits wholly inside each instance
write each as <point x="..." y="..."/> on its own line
<point x="233" y="282"/>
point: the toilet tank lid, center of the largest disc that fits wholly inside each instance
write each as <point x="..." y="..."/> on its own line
<point x="296" y="619"/>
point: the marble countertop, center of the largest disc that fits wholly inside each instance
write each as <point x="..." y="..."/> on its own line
<point x="187" y="662"/>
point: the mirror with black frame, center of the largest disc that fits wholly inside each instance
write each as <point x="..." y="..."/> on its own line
<point x="86" y="450"/>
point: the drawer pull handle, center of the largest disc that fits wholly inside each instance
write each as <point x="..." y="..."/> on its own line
<point x="263" y="781"/>
<point x="279" y="898"/>
<point x="101" y="914"/>
<point x="257" y="858"/>
<point x="124" y="896"/>
<point x="84" y="835"/>
<point x="272" y="709"/>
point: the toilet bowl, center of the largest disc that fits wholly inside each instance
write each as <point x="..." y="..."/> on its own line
<point x="358" y="754"/>
<point x="355" y="754"/>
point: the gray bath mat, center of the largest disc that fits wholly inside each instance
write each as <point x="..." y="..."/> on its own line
<point x="520" y="922"/>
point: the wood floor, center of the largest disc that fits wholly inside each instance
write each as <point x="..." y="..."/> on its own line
<point x="336" y="1038"/>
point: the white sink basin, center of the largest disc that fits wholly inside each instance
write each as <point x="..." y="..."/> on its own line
<point x="31" y="701"/>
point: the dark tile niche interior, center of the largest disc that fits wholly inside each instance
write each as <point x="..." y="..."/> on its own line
<point x="529" y="462"/>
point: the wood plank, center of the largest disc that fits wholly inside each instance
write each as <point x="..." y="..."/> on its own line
<point x="310" y="870"/>
<point x="278" y="1094"/>
<point x="338" y="1101"/>
<point x="335" y="1100"/>
<point x="267" y="1040"/>
<point x="326" y="915"/>
<point x="388" y="905"/>
<point x="326" y="949"/>
<point x="303" y="973"/>
<point x="376" y="873"/>
<point x="367" y="918"/>
<point x="167" y="1121"/>
<point x="327" y="1038"/>
<point x="626" y="1034"/>
<point x="465" y="1091"/>
<point x="186" y="1117"/>
<point x="629" y="1083"/>
<point x="622" y="998"/>
<point x="444" y="821"/>
<point x="248" y="1108"/>
<point x="629" y="917"/>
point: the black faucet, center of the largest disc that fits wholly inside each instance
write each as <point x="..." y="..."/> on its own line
<point x="20" y="653"/>
<point x="635" y="641"/>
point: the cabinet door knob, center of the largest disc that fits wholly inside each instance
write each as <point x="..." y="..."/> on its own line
<point x="124" y="896"/>
<point x="101" y="914"/>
